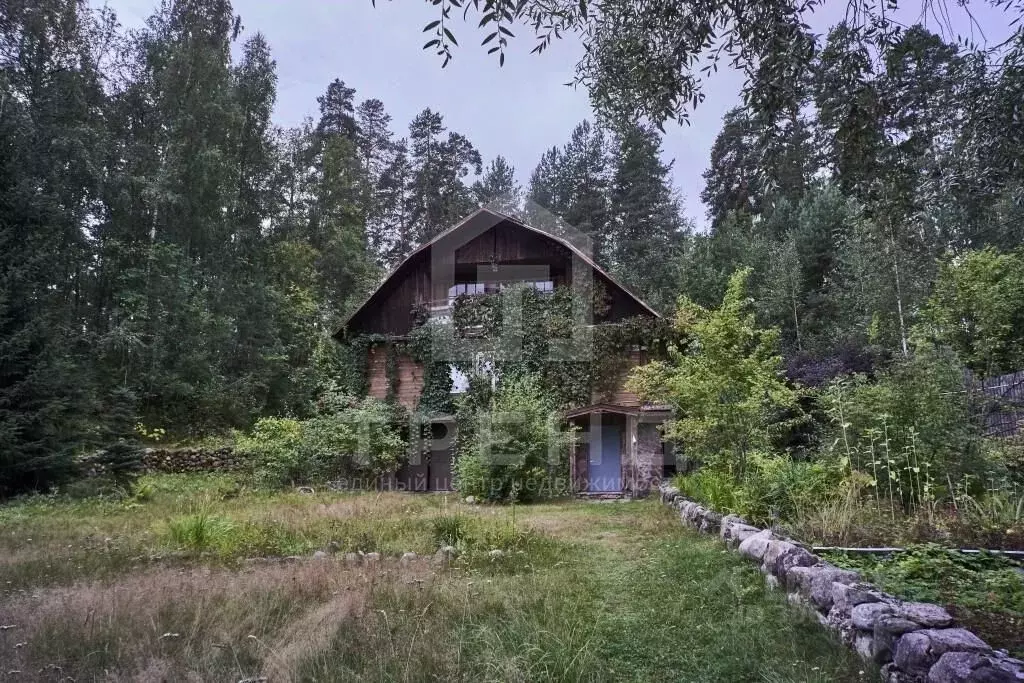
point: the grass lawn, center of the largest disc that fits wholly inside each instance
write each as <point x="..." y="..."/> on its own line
<point x="168" y="589"/>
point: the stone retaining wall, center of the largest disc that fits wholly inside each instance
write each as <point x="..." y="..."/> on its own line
<point x="178" y="460"/>
<point x="912" y="642"/>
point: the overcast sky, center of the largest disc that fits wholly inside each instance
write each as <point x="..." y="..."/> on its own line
<point x="517" y="111"/>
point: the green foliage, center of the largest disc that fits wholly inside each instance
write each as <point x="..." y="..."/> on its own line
<point x="450" y="530"/>
<point x="977" y="309"/>
<point x="274" y="443"/>
<point x="718" y="490"/>
<point x="994" y="519"/>
<point x="518" y="448"/>
<point x="725" y="384"/>
<point x="202" y="530"/>
<point x="121" y="458"/>
<point x="521" y="330"/>
<point x="909" y="429"/>
<point x="986" y="590"/>
<point x="348" y="438"/>
<point x="773" y="488"/>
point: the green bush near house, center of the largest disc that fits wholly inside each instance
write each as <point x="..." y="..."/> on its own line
<point x="349" y="437"/>
<point x="517" y="450"/>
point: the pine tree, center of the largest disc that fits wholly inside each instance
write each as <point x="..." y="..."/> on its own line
<point x="377" y="151"/>
<point x="52" y="105"/>
<point x="572" y="183"/>
<point x="396" y="233"/>
<point x="436" y="194"/>
<point x="337" y="111"/>
<point x="121" y="456"/>
<point x="849" y="133"/>
<point x="646" y="226"/>
<point x="498" y="188"/>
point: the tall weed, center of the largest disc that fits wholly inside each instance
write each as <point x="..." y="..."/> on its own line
<point x="201" y="530"/>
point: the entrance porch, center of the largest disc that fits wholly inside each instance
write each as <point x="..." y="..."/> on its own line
<point x="619" y="451"/>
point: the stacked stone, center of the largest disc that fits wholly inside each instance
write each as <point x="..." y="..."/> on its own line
<point x="912" y="642"/>
<point x="181" y="460"/>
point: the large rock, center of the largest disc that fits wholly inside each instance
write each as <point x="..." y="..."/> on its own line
<point x="734" y="519"/>
<point x="695" y="515"/>
<point x="972" y="667"/>
<point x="784" y="555"/>
<point x="669" y="494"/>
<point x="863" y="645"/>
<point x="847" y="596"/>
<point x="711" y="523"/>
<point x="886" y="634"/>
<point x="917" y="651"/>
<point x="822" y="585"/>
<point x="798" y="579"/>
<point x="928" y="615"/>
<point x="754" y="547"/>
<point x="734" y="530"/>
<point x="865" y="615"/>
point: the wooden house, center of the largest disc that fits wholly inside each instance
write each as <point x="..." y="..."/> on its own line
<point x="620" y="451"/>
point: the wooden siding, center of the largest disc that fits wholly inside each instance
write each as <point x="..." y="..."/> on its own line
<point x="456" y="258"/>
<point x="506" y="243"/>
<point x="620" y="305"/>
<point x="410" y="377"/>
<point x="390" y="310"/>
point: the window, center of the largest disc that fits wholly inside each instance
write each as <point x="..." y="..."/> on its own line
<point x="466" y="288"/>
<point x="545" y="286"/>
<point x="460" y="382"/>
<point x="483" y="365"/>
<point x="474" y="288"/>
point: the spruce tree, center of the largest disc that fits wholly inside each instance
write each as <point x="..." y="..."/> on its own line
<point x="646" y="227"/>
<point x="498" y="188"/>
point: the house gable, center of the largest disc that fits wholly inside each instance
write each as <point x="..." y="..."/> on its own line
<point x="486" y="246"/>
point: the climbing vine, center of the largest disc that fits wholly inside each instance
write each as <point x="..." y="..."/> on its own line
<point x="519" y="331"/>
<point x="516" y="334"/>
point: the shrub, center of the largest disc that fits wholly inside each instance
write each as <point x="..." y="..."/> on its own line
<point x="910" y="428"/>
<point x="977" y="308"/>
<point x="718" y="490"/>
<point x="349" y="438"/>
<point x="518" y="449"/>
<point x="778" y="488"/>
<point x="726" y="385"/>
<point x="379" y="445"/>
<point x="774" y="488"/>
<point x="994" y="520"/>
<point x="275" y="443"/>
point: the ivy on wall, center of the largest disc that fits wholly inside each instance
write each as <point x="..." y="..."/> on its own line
<point x="518" y="331"/>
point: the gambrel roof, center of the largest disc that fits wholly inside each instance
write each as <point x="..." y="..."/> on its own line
<point x="472" y="226"/>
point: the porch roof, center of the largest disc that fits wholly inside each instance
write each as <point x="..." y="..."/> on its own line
<point x="614" y="408"/>
<point x="602" y="408"/>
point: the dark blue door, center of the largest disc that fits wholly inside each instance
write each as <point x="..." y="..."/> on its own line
<point x="606" y="461"/>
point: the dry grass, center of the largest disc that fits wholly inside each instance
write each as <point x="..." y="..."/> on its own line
<point x="191" y="624"/>
<point x="98" y="591"/>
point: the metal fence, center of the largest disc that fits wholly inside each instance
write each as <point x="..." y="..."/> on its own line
<point x="999" y="403"/>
